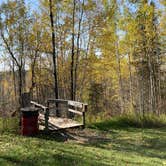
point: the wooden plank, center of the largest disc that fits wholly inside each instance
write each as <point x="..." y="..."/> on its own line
<point x="69" y="102"/>
<point x="39" y="105"/>
<point x="75" y="104"/>
<point x="26" y="109"/>
<point x="74" y="111"/>
<point x="56" y="123"/>
<point x="46" y="112"/>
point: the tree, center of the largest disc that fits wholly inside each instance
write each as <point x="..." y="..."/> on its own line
<point x="53" y="49"/>
<point x="14" y="29"/>
<point x="34" y="47"/>
<point x="146" y="55"/>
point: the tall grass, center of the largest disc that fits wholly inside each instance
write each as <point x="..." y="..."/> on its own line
<point x="9" y="124"/>
<point x="147" y="121"/>
<point x="130" y="120"/>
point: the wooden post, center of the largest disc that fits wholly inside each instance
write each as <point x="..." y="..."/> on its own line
<point x="83" y="116"/>
<point x="46" y="118"/>
<point x="46" y="114"/>
<point x="85" y="108"/>
<point x="57" y="110"/>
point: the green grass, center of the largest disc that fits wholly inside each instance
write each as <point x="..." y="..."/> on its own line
<point x="9" y="124"/>
<point x="131" y="120"/>
<point x="105" y="144"/>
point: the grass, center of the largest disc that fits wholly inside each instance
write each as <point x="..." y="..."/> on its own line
<point x="132" y="120"/>
<point x="104" y="144"/>
<point x="9" y="124"/>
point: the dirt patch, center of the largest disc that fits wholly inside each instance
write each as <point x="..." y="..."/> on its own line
<point x="87" y="136"/>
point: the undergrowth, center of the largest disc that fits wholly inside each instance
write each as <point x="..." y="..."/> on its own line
<point x="130" y="120"/>
<point x="9" y="124"/>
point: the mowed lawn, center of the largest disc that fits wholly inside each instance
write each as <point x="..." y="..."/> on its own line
<point x="98" y="147"/>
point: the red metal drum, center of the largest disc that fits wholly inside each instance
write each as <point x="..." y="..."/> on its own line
<point x="29" y="121"/>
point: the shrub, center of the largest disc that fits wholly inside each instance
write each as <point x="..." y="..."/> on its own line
<point x="131" y="120"/>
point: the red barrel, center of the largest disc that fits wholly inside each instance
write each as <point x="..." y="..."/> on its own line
<point x="29" y="121"/>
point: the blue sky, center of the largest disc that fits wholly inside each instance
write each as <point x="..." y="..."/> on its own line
<point x="34" y="4"/>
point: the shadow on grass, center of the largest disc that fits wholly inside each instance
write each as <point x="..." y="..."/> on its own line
<point x="58" y="136"/>
<point x="148" y="147"/>
<point x="77" y="160"/>
<point x="151" y="141"/>
<point x="124" y="123"/>
<point x="108" y="136"/>
<point x="110" y="124"/>
<point x="122" y="137"/>
<point x="6" y="160"/>
<point x="63" y="158"/>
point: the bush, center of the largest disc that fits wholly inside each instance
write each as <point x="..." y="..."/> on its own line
<point x="131" y="120"/>
<point x="147" y="121"/>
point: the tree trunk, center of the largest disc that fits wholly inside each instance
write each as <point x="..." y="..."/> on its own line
<point x="131" y="81"/>
<point x="32" y="78"/>
<point x="20" y="86"/>
<point x="14" y="79"/>
<point x="78" y="51"/>
<point x="73" y="53"/>
<point x="53" y="50"/>
<point x="119" y="78"/>
<point x="54" y="58"/>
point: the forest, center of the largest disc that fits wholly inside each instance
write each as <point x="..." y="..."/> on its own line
<point x="109" y="54"/>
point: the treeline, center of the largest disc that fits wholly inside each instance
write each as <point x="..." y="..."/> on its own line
<point x="110" y="54"/>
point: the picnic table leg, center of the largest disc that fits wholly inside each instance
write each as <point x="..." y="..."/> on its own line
<point x="83" y="115"/>
<point x="46" y="117"/>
